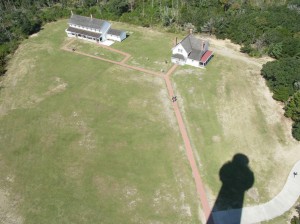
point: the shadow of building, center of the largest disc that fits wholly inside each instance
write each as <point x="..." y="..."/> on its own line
<point x="236" y="177"/>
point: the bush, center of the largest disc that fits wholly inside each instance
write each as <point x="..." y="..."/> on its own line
<point x="281" y="76"/>
<point x="296" y="130"/>
<point x="292" y="109"/>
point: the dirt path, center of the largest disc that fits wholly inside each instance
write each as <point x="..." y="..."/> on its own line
<point x="189" y="151"/>
<point x="228" y="49"/>
<point x="126" y="55"/>
<point x="122" y="63"/>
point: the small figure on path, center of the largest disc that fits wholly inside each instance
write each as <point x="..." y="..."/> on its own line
<point x="295" y="174"/>
<point x="73" y="49"/>
<point x="174" y="98"/>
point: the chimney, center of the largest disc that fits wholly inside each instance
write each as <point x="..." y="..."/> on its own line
<point x="91" y="16"/>
<point x="71" y="12"/>
<point x="175" y="41"/>
<point x="191" y="31"/>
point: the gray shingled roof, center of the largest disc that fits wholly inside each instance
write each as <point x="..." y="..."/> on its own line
<point x="115" y="32"/>
<point x="87" y="22"/>
<point x="84" y="32"/>
<point x="186" y="44"/>
<point x="190" y="43"/>
<point x="178" y="56"/>
<point x="193" y="46"/>
<point x="196" y="55"/>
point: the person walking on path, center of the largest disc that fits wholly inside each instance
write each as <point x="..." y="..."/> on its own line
<point x="174" y="98"/>
<point x="295" y="174"/>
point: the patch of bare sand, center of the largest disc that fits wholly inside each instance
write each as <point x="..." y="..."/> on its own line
<point x="163" y="200"/>
<point x="253" y="193"/>
<point x="189" y="70"/>
<point x="228" y="49"/>
<point x="110" y="187"/>
<point x="34" y="35"/>
<point x="8" y="208"/>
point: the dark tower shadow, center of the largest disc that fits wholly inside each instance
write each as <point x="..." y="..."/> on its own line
<point x="236" y="177"/>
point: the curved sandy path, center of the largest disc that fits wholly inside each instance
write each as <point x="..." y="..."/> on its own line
<point x="280" y="204"/>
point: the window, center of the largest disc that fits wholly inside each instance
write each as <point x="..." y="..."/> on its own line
<point x="180" y="50"/>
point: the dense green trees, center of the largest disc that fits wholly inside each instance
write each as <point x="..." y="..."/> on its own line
<point x="282" y="77"/>
<point x="261" y="27"/>
<point x="292" y="110"/>
<point x="271" y="31"/>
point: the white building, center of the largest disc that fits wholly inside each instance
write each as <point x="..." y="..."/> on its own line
<point x="117" y="35"/>
<point x="92" y="29"/>
<point x="191" y="51"/>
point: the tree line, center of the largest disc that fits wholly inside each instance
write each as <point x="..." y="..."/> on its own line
<point x="260" y="27"/>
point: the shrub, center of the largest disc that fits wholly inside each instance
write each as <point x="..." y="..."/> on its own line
<point x="296" y="131"/>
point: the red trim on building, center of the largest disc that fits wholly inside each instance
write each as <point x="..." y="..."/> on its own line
<point x="206" y="56"/>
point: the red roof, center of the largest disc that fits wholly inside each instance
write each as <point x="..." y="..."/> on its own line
<point x="206" y="56"/>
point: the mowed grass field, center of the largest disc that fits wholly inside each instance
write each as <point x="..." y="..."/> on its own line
<point x="228" y="110"/>
<point x="150" y="49"/>
<point x="95" y="50"/>
<point x="84" y="141"/>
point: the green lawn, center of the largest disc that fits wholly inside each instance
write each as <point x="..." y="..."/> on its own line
<point x="95" y="49"/>
<point x="84" y="141"/>
<point x="149" y="48"/>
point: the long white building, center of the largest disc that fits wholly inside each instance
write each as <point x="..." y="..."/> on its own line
<point x="93" y="29"/>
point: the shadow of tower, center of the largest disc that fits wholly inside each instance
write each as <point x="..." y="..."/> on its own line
<point x="236" y="177"/>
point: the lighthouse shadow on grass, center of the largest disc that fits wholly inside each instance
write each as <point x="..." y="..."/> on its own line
<point x="236" y="178"/>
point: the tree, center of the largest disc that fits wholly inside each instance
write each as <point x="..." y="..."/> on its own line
<point x="89" y="3"/>
<point x="292" y="109"/>
<point x="131" y="4"/>
<point x="275" y="50"/>
<point x="117" y="7"/>
<point x="2" y="64"/>
<point x="226" y="4"/>
<point x="281" y="76"/>
<point x="295" y="219"/>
